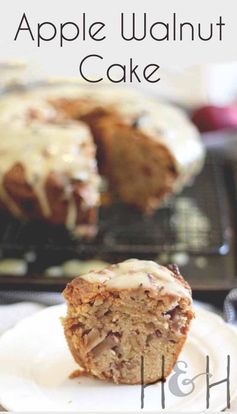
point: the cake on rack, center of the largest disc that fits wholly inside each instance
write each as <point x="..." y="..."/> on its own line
<point x="124" y="312"/>
<point x="59" y="138"/>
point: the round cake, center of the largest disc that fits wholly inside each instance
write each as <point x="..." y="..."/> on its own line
<point x="128" y="322"/>
<point x="58" y="139"/>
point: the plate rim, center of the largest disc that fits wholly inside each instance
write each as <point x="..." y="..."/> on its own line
<point x="197" y="307"/>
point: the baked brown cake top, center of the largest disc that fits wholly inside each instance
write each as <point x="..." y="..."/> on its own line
<point x="131" y="274"/>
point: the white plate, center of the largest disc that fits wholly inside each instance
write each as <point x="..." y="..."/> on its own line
<point x="35" y="364"/>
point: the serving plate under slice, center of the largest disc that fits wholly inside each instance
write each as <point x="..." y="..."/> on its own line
<point x="35" y="365"/>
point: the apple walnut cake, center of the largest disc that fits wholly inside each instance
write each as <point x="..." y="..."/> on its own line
<point x="124" y="312"/>
<point x="58" y="140"/>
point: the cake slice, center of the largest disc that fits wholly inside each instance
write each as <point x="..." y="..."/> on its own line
<point x="126" y="314"/>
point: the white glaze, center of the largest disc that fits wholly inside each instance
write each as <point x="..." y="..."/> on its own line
<point x="45" y="147"/>
<point x="134" y="273"/>
<point x="15" y="267"/>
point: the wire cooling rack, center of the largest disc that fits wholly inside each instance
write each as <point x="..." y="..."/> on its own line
<point x="195" y="222"/>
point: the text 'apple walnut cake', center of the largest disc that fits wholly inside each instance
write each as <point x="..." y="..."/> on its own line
<point x="58" y="139"/>
<point x="124" y="312"/>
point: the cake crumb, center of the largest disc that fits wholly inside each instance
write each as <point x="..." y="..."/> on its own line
<point x="78" y="373"/>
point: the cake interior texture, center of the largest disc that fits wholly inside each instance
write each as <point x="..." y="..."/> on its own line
<point x="114" y="322"/>
<point x="140" y="171"/>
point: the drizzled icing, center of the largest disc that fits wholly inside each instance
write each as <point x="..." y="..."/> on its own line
<point x="35" y="134"/>
<point x="160" y="121"/>
<point x="134" y="273"/>
<point x="45" y="147"/>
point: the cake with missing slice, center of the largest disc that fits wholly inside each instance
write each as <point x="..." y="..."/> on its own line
<point x="58" y="140"/>
<point x="124" y="312"/>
